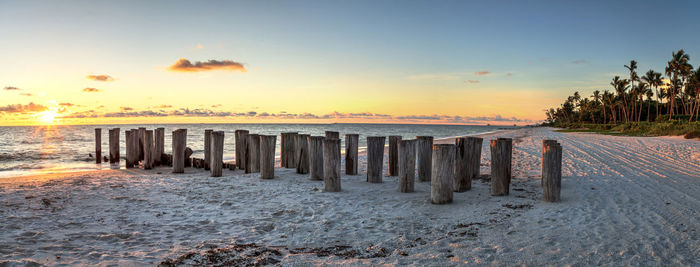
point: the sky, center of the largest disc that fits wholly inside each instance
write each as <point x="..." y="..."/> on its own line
<point x="461" y="62"/>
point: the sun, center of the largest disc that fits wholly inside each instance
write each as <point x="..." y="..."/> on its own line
<point x="47" y="117"/>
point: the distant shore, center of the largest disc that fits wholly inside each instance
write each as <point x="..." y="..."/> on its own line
<point x="625" y="201"/>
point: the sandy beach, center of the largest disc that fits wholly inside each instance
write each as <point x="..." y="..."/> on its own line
<point x="625" y="201"/>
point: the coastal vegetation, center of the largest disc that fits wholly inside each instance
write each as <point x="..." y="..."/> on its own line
<point x="652" y="104"/>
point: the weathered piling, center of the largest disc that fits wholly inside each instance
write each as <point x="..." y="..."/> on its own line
<point x="179" y="145"/>
<point x="132" y="146"/>
<point x="188" y="154"/>
<point x="442" y="173"/>
<point x="267" y="156"/>
<point x="394" y="155"/>
<point x="331" y="164"/>
<point x="159" y="143"/>
<point x="551" y="170"/>
<point x="148" y="150"/>
<point x="207" y="148"/>
<point x="375" y="158"/>
<point x="501" y="153"/>
<point x="407" y="165"/>
<point x="332" y="135"/>
<point x="351" y="145"/>
<point x="302" y="154"/>
<point x="114" y="146"/>
<point x="241" y="137"/>
<point x="467" y="160"/>
<point x="252" y="163"/>
<point x="216" y="149"/>
<point x="142" y="136"/>
<point x="316" y="157"/>
<point x="424" y="155"/>
<point x="288" y="149"/>
<point x="127" y="142"/>
<point x="98" y="145"/>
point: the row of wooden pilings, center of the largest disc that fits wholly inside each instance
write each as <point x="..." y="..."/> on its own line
<point x="448" y="167"/>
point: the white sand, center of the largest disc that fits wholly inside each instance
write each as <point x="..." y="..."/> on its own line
<point x="626" y="201"/>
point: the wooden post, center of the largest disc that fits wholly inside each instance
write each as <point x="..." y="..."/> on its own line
<point x="288" y="149"/>
<point x="267" y="156"/>
<point x="375" y="158"/>
<point x="351" y="145"/>
<point x="501" y="153"/>
<point x="316" y="157"/>
<point x="241" y="139"/>
<point x="331" y="165"/>
<point x="252" y="163"/>
<point x="179" y="145"/>
<point x="332" y="135"/>
<point x="551" y="171"/>
<point x="216" y="149"/>
<point x="394" y="155"/>
<point x="127" y="140"/>
<point x="114" y="146"/>
<point x="442" y="173"/>
<point x="188" y="154"/>
<point x="159" y="142"/>
<point x="148" y="150"/>
<point x="424" y="154"/>
<point x="98" y="145"/>
<point x="132" y="146"/>
<point x="467" y="160"/>
<point x="407" y="165"/>
<point x="142" y="137"/>
<point x="302" y="154"/>
<point x="207" y="148"/>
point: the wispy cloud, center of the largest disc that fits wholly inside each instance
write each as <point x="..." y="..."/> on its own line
<point x="472" y="81"/>
<point x="580" y="61"/>
<point x="26" y="94"/>
<point x="90" y="89"/>
<point x="11" y="88"/>
<point x="184" y="65"/>
<point x="66" y="104"/>
<point x="483" y="72"/>
<point x="509" y="74"/>
<point x="100" y="78"/>
<point x="19" y="108"/>
<point x="126" y="108"/>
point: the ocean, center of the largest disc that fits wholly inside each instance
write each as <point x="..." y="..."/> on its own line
<point x="26" y="150"/>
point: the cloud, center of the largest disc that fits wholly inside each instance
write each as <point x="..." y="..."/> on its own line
<point x="19" y="108"/>
<point x="216" y="106"/>
<point x="483" y="72"/>
<point x="100" y="78"/>
<point x="580" y="61"/>
<point x="473" y="81"/>
<point x="185" y="65"/>
<point x="66" y="104"/>
<point x="90" y="89"/>
<point x="509" y="74"/>
<point x="26" y="94"/>
<point x="126" y="108"/>
<point x="10" y="88"/>
<point x="165" y="106"/>
<point x="200" y="46"/>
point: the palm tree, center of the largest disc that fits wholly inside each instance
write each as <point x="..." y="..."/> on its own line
<point x="649" y="94"/>
<point x="642" y="88"/>
<point x="621" y="86"/>
<point x="678" y="63"/>
<point x="654" y="80"/>
<point x="608" y="99"/>
<point x="633" y="77"/>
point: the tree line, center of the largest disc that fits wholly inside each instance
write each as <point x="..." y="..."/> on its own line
<point x="654" y="96"/>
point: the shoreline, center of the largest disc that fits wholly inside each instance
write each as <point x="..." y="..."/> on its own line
<point x="625" y="201"/>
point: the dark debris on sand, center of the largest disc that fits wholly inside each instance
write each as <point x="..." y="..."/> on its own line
<point x="252" y="254"/>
